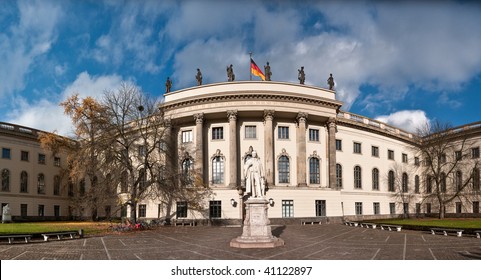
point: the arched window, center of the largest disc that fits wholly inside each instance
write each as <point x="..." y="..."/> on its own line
<point x="416" y="184"/>
<point x="218" y="170"/>
<point x="405" y="187"/>
<point x="459" y="180"/>
<point x="5" y="180"/>
<point x="443" y="182"/>
<point x="186" y="166"/>
<point x="56" y="185"/>
<point x="82" y="187"/>
<point x="283" y="169"/>
<point x="142" y="179"/>
<point x="124" y="187"/>
<point x="314" y="171"/>
<point x="476" y="179"/>
<point x="375" y="179"/>
<point x="41" y="183"/>
<point x="24" y="182"/>
<point x="338" y="176"/>
<point x="357" y="177"/>
<point x="390" y="181"/>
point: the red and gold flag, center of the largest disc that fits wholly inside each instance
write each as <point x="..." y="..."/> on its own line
<point x="256" y="70"/>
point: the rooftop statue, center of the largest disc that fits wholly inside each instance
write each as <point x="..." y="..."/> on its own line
<point x="230" y="74"/>
<point x="168" y="85"/>
<point x="198" y="77"/>
<point x="330" y="82"/>
<point x="301" y="76"/>
<point x="267" y="71"/>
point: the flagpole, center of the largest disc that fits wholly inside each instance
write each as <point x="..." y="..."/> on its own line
<point x="250" y="72"/>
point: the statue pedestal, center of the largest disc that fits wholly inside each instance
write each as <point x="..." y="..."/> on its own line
<point x="256" y="232"/>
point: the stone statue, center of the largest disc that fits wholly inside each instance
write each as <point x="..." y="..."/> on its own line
<point x="267" y="71"/>
<point x="254" y="176"/>
<point x="230" y="74"/>
<point x="198" y="77"/>
<point x="301" y="76"/>
<point x="168" y="85"/>
<point x="330" y="82"/>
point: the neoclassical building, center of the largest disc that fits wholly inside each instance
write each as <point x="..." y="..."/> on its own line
<point x="320" y="162"/>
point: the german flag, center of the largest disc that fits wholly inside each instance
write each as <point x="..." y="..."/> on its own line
<point x="256" y="71"/>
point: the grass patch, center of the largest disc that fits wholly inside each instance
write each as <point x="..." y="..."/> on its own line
<point x="40" y="227"/>
<point x="443" y="223"/>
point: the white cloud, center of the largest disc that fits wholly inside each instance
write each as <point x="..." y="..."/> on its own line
<point x="409" y="120"/>
<point x="47" y="115"/>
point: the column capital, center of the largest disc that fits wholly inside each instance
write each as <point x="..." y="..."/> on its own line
<point x="232" y="115"/>
<point x="269" y="115"/>
<point x="331" y="123"/>
<point x="199" y="118"/>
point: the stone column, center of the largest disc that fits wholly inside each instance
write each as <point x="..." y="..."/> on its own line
<point x="199" y="144"/>
<point x="331" y="130"/>
<point x="269" y="147"/>
<point x="232" y="116"/>
<point x="301" y="150"/>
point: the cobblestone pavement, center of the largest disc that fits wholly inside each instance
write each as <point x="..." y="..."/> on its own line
<point x="309" y="242"/>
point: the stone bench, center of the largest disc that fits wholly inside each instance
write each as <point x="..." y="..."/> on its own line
<point x="478" y="233"/>
<point x="311" y="221"/>
<point x="368" y="225"/>
<point x="352" y="224"/>
<point x="445" y="231"/>
<point x="11" y="238"/>
<point x="184" y="223"/>
<point x="391" y="227"/>
<point x="59" y="235"/>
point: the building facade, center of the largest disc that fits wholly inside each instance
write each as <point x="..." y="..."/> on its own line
<point x="320" y="162"/>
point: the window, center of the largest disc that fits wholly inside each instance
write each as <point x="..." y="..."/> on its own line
<point x="357" y="148"/>
<point x="390" y="181"/>
<point x="56" y="211"/>
<point x="416" y="161"/>
<point x="5" y="180"/>
<point x="108" y="211"/>
<point x="123" y="182"/>
<point x="24" y="182"/>
<point x="405" y="181"/>
<point x="375" y="179"/>
<point x="390" y="154"/>
<point x="23" y="210"/>
<point x="186" y="166"/>
<point x="443" y="158"/>
<point x="70" y="188"/>
<point x="476" y="207"/>
<point x="458" y="155"/>
<point x="6" y="153"/>
<point x="82" y="187"/>
<point x="250" y="132"/>
<point x="357" y="177"/>
<point x="475" y="152"/>
<point x="181" y="211"/>
<point x="56" y="161"/>
<point x="41" y="159"/>
<point x="418" y="208"/>
<point x="218" y="170"/>
<point x="142" y="210"/>
<point x="405" y="158"/>
<point x="376" y="207"/>
<point x="338" y="176"/>
<point x="338" y="145"/>
<point x="283" y="132"/>
<point x="314" y="135"/>
<point x="321" y="208"/>
<point x="287" y="208"/>
<point x="416" y="184"/>
<point x="392" y="208"/>
<point x="41" y="210"/>
<point x="459" y="208"/>
<point x="358" y="207"/>
<point x="215" y="209"/>
<point x="406" y="209"/>
<point x="429" y="184"/>
<point x="217" y="133"/>
<point x="476" y="179"/>
<point x="374" y="151"/>
<point x="24" y="156"/>
<point x="428" y="208"/>
<point x="187" y="136"/>
<point x="443" y="182"/>
<point x="56" y="185"/>
<point x="123" y="211"/>
<point x="283" y="169"/>
<point x="142" y="151"/>
<point x="142" y="179"/>
<point x="314" y="171"/>
<point x="459" y="180"/>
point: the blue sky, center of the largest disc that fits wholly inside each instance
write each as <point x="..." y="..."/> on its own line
<point x="403" y="63"/>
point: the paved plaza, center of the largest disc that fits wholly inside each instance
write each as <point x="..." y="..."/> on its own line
<point x="308" y="242"/>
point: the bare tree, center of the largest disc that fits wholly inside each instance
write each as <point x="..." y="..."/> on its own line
<point x="447" y="166"/>
<point x="398" y="181"/>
